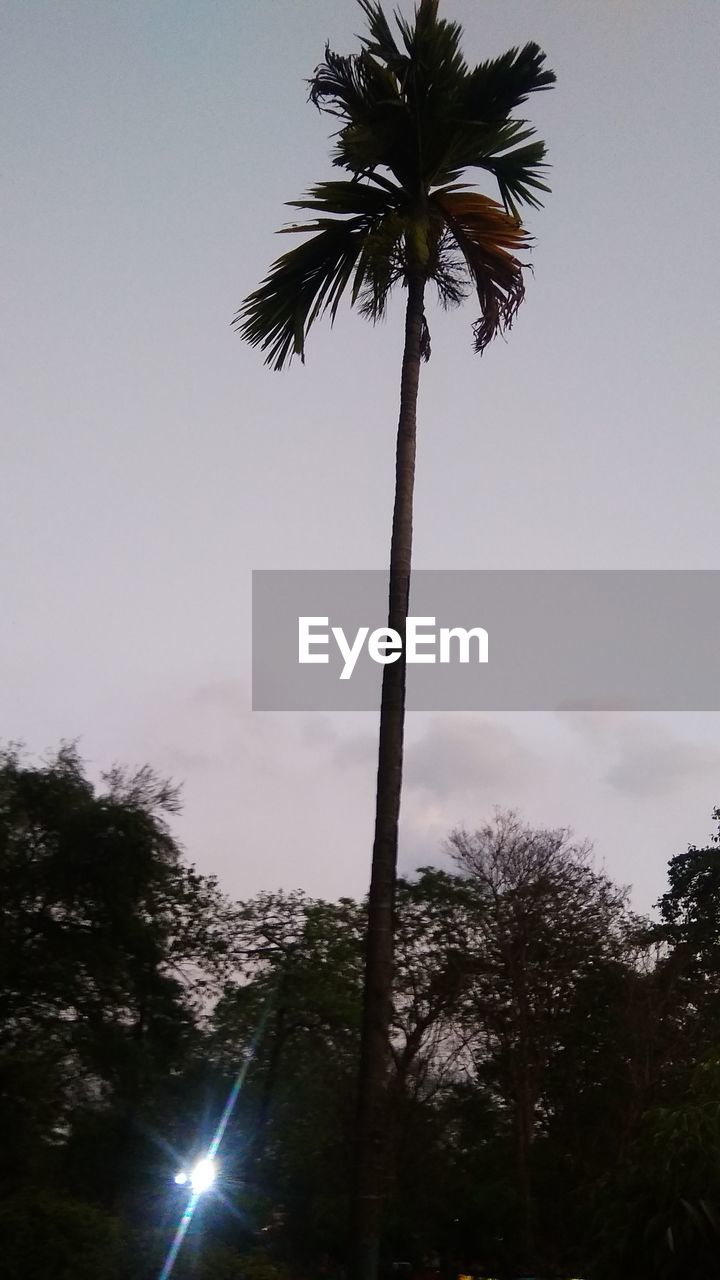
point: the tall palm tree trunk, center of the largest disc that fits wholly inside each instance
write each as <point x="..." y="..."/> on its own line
<point x="370" y="1157"/>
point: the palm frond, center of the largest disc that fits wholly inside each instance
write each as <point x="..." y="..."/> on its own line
<point x="365" y="95"/>
<point x="437" y="68"/>
<point x="503" y="150"/>
<point x="351" y="87"/>
<point x="488" y="239"/>
<point x="359" y="239"/>
<point x="517" y="173"/>
<point x="380" y="266"/>
<point x="338" y="85"/>
<point x="367" y="199"/>
<point x="432" y="43"/>
<point x="496" y="88"/>
<point x="301" y="285"/>
<point x="381" y="43"/>
<point x="448" y="270"/>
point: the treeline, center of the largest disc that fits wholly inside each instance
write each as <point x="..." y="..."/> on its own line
<point x="554" y="1101"/>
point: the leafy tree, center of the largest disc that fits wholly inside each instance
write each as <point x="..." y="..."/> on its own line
<point x="661" y="1216"/>
<point x="553" y="1078"/>
<point x="432" y="975"/>
<point x="662" y="1213"/>
<point x="414" y="118"/>
<point x="292" y="1008"/>
<point x="543" y="930"/>
<point x="690" y="932"/>
<point x="109" y="945"/>
<point x="46" y="1236"/>
<point x="299" y="970"/>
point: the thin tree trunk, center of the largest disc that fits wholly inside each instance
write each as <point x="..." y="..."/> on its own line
<point x="370" y="1156"/>
<point x="524" y="1113"/>
<point x="523" y="1131"/>
<point x="258" y="1142"/>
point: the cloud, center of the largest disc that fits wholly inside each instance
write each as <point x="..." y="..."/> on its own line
<point x="460" y="753"/>
<point x="288" y="800"/>
<point x="653" y="763"/>
<point x="230" y="697"/>
<point x="645" y="756"/>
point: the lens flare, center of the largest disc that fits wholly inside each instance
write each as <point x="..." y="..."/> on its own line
<point x="181" y="1178"/>
<point x="202" y="1175"/>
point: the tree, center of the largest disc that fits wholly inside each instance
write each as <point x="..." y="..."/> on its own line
<point x="109" y="946"/>
<point x="414" y="117"/>
<point x="46" y="1234"/>
<point x="690" y="927"/>
<point x="661" y="1210"/>
<point x="686" y="984"/>
<point x="292" y="1006"/>
<point x="432" y="974"/>
<point x="662" y="1216"/>
<point x="545" y="935"/>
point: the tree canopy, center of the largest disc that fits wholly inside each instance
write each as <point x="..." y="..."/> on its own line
<point x="555" y="1086"/>
<point x="414" y="119"/>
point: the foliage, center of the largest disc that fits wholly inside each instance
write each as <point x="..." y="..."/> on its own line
<point x="258" y="1266"/>
<point x="46" y="1236"/>
<point x="299" y="980"/>
<point x="556" y="1097"/>
<point x="109" y="946"/>
<point x="413" y="117"/>
<point x="666" y="1208"/>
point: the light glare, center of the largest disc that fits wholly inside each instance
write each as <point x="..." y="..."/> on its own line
<point x="202" y="1175"/>
<point x="181" y="1178"/>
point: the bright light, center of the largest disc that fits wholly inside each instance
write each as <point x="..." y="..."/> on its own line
<point x="181" y="1178"/>
<point x="202" y="1175"/>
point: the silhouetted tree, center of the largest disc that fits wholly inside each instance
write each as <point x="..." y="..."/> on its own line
<point x="109" y="947"/>
<point x="414" y="118"/>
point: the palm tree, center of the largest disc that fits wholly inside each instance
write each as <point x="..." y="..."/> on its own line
<point x="414" y="117"/>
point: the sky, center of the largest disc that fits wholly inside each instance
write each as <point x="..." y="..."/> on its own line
<point x="149" y="461"/>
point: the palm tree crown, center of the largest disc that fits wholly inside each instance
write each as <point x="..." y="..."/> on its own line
<point x="414" y="117"/>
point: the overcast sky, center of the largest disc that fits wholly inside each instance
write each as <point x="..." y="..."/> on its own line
<point x="149" y="461"/>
